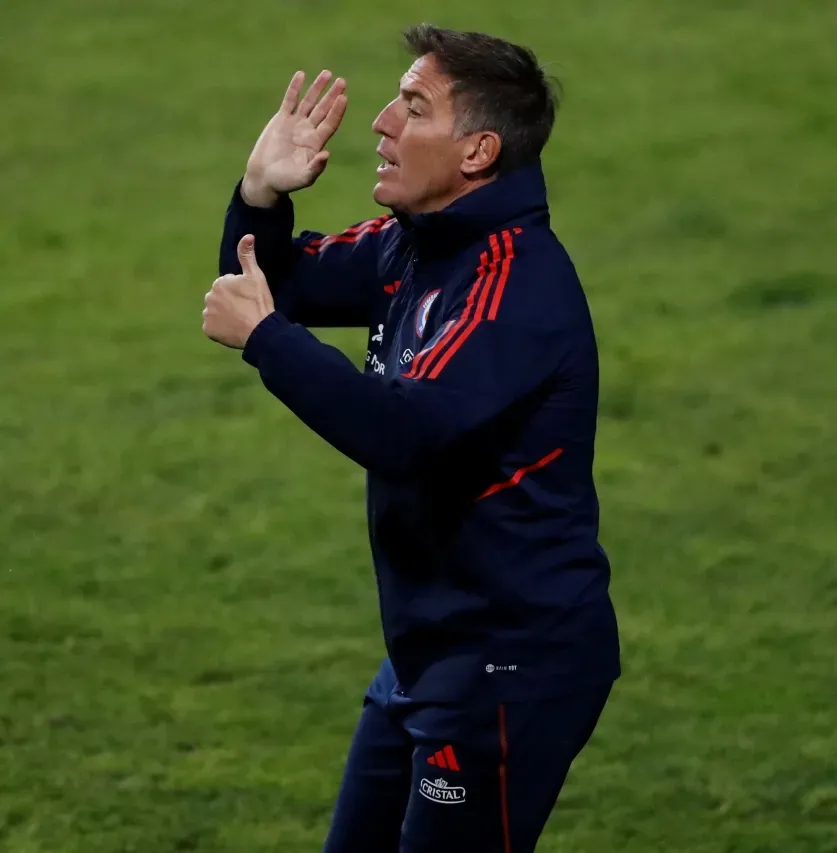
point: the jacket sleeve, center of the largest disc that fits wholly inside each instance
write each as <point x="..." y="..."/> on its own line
<point x="316" y="280"/>
<point x="475" y="370"/>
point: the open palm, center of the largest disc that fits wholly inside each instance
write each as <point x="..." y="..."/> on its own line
<point x="289" y="154"/>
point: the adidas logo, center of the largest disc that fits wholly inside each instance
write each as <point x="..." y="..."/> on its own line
<point x="444" y="758"/>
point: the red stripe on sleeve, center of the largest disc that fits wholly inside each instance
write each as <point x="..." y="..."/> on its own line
<point x="521" y="473"/>
<point x="353" y="230"/>
<point x="350" y="235"/>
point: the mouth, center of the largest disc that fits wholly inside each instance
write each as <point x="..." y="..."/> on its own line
<point x="387" y="165"/>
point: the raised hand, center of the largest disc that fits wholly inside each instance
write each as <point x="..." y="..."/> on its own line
<point x="290" y="153"/>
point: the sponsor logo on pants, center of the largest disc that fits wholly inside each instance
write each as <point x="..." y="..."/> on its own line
<point x="440" y="792"/>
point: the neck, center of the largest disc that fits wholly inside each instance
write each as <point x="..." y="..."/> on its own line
<point x="485" y="207"/>
<point x="468" y="185"/>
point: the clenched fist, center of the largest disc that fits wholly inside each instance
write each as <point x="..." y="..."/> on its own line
<point x="236" y="304"/>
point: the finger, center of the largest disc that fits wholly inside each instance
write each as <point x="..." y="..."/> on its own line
<point x="218" y="283"/>
<point x="313" y="94"/>
<point x="332" y="121"/>
<point x="247" y="255"/>
<point x="291" y="99"/>
<point x="321" y="110"/>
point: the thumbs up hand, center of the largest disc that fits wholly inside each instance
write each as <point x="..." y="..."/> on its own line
<point x="236" y="304"/>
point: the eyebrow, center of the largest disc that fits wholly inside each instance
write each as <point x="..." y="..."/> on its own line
<point x="414" y="93"/>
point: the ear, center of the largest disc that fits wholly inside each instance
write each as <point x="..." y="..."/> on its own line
<point x="481" y="152"/>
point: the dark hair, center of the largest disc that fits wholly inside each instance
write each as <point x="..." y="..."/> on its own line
<point x="497" y="86"/>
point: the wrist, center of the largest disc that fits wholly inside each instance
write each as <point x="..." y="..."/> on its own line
<point x="260" y="337"/>
<point x="255" y="195"/>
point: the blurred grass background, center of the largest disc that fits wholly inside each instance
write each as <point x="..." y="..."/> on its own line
<point x="188" y="617"/>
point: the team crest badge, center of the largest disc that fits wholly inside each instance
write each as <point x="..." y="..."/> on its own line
<point x="423" y="310"/>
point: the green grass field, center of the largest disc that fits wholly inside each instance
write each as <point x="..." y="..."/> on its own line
<point x="188" y="616"/>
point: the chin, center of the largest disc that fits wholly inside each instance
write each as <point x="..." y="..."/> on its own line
<point x="384" y="196"/>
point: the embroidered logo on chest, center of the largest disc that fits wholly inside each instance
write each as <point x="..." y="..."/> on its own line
<point x="423" y="310"/>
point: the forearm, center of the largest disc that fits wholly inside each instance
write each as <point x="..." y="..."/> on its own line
<point x="308" y="286"/>
<point x="275" y="253"/>
<point x="271" y="226"/>
<point x="371" y="422"/>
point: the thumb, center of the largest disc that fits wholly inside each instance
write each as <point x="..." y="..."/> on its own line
<point x="318" y="164"/>
<point x="247" y="255"/>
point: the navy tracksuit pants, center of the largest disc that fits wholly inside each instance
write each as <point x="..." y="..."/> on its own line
<point x="456" y="779"/>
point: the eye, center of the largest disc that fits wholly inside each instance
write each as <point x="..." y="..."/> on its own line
<point x="411" y="111"/>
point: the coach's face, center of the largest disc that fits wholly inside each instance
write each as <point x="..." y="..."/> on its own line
<point x="424" y="165"/>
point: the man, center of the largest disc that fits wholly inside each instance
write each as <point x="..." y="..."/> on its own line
<point x="475" y="418"/>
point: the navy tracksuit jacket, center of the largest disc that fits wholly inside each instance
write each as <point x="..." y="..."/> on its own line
<point x="474" y="416"/>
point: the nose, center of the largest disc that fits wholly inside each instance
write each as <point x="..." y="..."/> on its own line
<point x="385" y="124"/>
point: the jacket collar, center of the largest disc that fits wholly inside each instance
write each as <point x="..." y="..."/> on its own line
<point x="510" y="197"/>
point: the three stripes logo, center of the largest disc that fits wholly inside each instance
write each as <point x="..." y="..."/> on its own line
<point x="444" y="758"/>
<point x="439" y="790"/>
<point x="482" y="304"/>
<point x="350" y="235"/>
